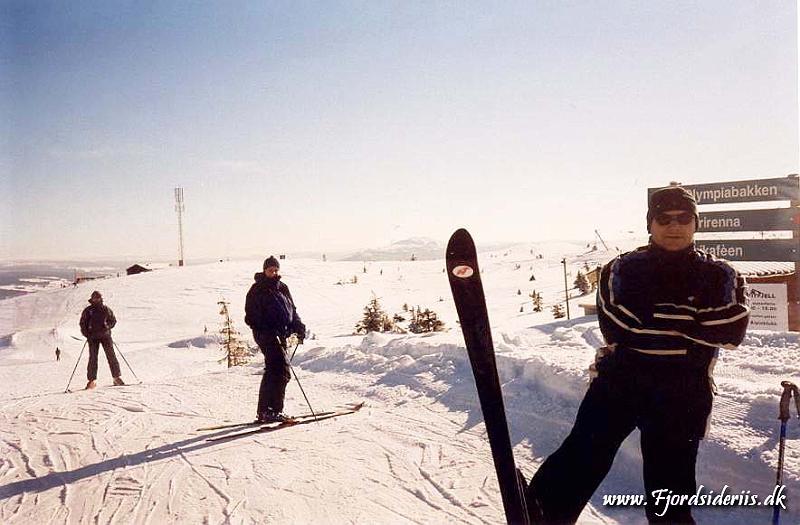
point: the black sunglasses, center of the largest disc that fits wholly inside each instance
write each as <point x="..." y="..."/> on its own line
<point x="664" y="219"/>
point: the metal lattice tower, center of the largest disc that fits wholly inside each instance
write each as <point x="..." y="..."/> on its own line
<point x="180" y="208"/>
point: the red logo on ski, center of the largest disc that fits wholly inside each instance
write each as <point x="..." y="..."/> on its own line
<point x="463" y="271"/>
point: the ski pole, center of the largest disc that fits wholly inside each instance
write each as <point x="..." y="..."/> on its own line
<point x="303" y="391"/>
<point x="294" y="351"/>
<point x="127" y="363"/>
<point x="76" y="365"/>
<point x="789" y="388"/>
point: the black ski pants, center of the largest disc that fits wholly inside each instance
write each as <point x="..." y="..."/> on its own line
<point x="669" y="401"/>
<point x="111" y="357"/>
<point x="276" y="372"/>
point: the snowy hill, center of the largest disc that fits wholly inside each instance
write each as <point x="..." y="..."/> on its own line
<point x="416" y="453"/>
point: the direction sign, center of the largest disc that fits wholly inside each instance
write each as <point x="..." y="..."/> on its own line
<point x="782" y="189"/>
<point x="749" y="220"/>
<point x="782" y="250"/>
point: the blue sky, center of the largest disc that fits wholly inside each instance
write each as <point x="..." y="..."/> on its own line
<point x="298" y="126"/>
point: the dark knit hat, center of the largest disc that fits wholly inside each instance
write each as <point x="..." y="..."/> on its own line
<point x="672" y="198"/>
<point x="96" y="296"/>
<point x="271" y="262"/>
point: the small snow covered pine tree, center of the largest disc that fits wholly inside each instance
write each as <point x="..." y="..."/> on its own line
<point x="558" y="311"/>
<point x="582" y="283"/>
<point x="537" y="301"/>
<point x="375" y="319"/>
<point x="425" y="321"/>
<point x="236" y="353"/>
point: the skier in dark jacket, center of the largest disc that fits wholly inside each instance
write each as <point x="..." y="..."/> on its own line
<point x="664" y="310"/>
<point x="96" y="323"/>
<point x="271" y="313"/>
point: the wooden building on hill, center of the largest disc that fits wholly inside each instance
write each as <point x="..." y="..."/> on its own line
<point x="136" y="269"/>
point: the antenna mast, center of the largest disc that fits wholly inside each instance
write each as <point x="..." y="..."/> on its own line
<point x="180" y="208"/>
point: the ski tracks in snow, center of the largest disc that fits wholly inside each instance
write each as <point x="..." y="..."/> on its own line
<point x="92" y="457"/>
<point x="432" y="468"/>
<point x="130" y="455"/>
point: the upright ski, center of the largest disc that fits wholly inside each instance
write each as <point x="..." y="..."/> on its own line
<point x="465" y="283"/>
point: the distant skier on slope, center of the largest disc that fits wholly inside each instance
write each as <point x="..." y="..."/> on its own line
<point x="271" y="313"/>
<point x="96" y="323"/>
<point x="664" y="309"/>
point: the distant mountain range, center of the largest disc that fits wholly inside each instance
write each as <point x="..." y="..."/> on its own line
<point x="421" y="248"/>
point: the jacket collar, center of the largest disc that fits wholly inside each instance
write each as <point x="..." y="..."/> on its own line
<point x="262" y="279"/>
<point x="680" y="255"/>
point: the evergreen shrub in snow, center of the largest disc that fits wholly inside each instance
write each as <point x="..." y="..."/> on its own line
<point x="425" y="321"/>
<point x="375" y="319"/>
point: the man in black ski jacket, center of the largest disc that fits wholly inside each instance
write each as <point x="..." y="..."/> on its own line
<point x="271" y="313"/>
<point x="96" y="323"/>
<point x="664" y="310"/>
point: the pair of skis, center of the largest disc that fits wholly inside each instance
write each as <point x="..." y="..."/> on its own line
<point x="257" y="427"/>
<point x="465" y="283"/>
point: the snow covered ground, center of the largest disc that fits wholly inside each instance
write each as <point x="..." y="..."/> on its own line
<point x="416" y="453"/>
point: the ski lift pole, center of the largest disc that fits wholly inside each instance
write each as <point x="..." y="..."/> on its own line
<point x="601" y="239"/>
<point x="784" y="415"/>
<point x="566" y="290"/>
<point x="127" y="363"/>
<point x="76" y="365"/>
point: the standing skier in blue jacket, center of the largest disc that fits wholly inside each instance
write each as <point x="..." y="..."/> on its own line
<point x="664" y="310"/>
<point x="271" y="313"/>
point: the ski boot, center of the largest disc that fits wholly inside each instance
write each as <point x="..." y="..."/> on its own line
<point x="271" y="416"/>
